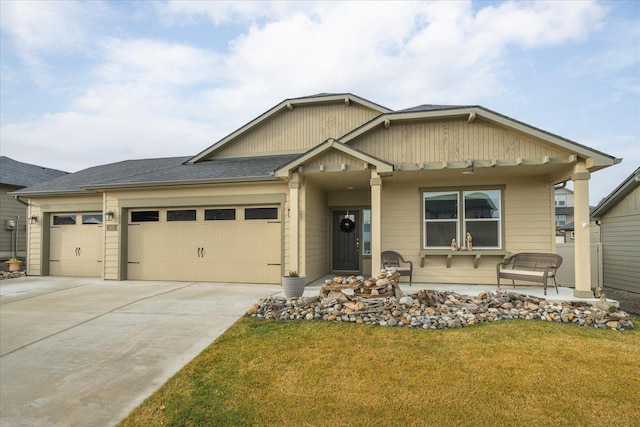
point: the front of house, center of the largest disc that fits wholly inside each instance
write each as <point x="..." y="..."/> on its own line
<point x="273" y="196"/>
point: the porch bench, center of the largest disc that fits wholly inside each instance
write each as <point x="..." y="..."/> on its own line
<point x="530" y="267"/>
<point x="450" y="254"/>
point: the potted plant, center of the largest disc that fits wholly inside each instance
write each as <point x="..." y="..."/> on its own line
<point x="293" y="284"/>
<point x="14" y="264"/>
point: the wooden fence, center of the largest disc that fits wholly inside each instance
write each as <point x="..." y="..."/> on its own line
<point x="566" y="273"/>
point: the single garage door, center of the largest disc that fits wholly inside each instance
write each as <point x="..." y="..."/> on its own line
<point x="76" y="241"/>
<point x="230" y="244"/>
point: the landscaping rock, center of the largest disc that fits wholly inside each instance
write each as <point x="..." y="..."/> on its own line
<point x="428" y="309"/>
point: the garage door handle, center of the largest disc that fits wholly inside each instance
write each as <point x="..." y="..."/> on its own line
<point x="133" y="262"/>
<point x="273" y="264"/>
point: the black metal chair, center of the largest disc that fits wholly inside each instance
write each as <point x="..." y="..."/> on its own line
<point x="394" y="259"/>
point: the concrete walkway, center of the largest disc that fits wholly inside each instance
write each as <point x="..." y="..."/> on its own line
<point x="85" y="352"/>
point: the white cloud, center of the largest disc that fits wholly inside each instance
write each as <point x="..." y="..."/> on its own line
<point x="37" y="30"/>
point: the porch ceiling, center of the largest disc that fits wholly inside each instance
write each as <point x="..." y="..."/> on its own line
<point x="340" y="181"/>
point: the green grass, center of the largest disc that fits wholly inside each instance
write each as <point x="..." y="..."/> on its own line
<point x="332" y="374"/>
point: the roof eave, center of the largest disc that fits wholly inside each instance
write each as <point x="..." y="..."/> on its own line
<point x="181" y="182"/>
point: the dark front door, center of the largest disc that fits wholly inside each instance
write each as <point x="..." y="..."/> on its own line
<point x="346" y="240"/>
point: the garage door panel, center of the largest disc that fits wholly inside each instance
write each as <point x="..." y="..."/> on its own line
<point x="212" y="250"/>
<point x="76" y="249"/>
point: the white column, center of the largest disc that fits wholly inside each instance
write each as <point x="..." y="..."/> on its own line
<point x="580" y="179"/>
<point x="376" y="227"/>
<point x="294" y="223"/>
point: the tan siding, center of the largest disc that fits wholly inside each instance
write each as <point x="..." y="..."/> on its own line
<point x="621" y="244"/>
<point x="40" y="206"/>
<point x="450" y="140"/>
<point x="315" y="232"/>
<point x="298" y="130"/>
<point x="528" y="206"/>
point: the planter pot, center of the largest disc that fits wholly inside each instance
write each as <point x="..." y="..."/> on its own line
<point x="14" y="266"/>
<point x="293" y="286"/>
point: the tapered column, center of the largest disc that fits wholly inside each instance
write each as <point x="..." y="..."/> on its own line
<point x="376" y="227"/>
<point x="580" y="179"/>
<point x="294" y="223"/>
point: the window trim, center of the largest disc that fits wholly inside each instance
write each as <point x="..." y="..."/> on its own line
<point x="460" y="221"/>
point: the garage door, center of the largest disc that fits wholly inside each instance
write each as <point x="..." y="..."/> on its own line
<point x="230" y="244"/>
<point x="76" y="242"/>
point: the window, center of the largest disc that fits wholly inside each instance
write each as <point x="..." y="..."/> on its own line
<point x="561" y="200"/>
<point x="561" y="220"/>
<point x="64" y="220"/>
<point x="92" y="219"/>
<point x="181" y="215"/>
<point x="366" y="232"/>
<point x="261" y="213"/>
<point x="450" y="215"/>
<point x="145" y="216"/>
<point x="219" y="214"/>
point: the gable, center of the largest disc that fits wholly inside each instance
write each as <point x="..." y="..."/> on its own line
<point x="452" y="140"/>
<point x="295" y="126"/>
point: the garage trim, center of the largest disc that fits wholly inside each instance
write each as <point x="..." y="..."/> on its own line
<point x="124" y="205"/>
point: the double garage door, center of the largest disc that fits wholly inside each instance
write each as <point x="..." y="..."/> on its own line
<point x="76" y="244"/>
<point x="231" y="244"/>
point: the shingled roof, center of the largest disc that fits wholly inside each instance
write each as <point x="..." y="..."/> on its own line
<point x="18" y="174"/>
<point x="162" y="171"/>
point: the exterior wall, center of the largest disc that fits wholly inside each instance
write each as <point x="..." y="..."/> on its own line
<point x="38" y="241"/>
<point x="527" y="223"/>
<point x="120" y="201"/>
<point x="315" y="237"/>
<point x="298" y="130"/>
<point x="10" y="208"/>
<point x="451" y="140"/>
<point x="621" y="244"/>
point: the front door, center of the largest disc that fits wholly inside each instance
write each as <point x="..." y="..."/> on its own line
<point x="346" y="240"/>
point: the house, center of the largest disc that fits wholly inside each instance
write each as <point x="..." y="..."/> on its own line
<point x="15" y="175"/>
<point x="619" y="218"/>
<point x="564" y="217"/>
<point x="320" y="184"/>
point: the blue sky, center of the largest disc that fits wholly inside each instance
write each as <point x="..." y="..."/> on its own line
<point x="93" y="82"/>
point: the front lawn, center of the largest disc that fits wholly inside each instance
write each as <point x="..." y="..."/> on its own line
<point x="339" y="374"/>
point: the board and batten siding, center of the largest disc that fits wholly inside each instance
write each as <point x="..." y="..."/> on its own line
<point x="450" y="140"/>
<point x="298" y="130"/>
<point x="527" y="224"/>
<point x="620" y="234"/>
<point x="314" y="220"/>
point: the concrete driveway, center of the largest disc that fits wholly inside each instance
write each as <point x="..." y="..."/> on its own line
<point x="85" y="352"/>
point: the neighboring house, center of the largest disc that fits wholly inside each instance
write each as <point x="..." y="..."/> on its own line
<point x="619" y="218"/>
<point x="564" y="217"/>
<point x="15" y="175"/>
<point x="275" y="196"/>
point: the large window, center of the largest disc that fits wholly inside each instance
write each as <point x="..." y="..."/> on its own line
<point x="561" y="220"/>
<point x="450" y="215"/>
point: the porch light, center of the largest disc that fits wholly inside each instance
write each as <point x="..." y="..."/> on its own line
<point x="110" y="215"/>
<point x="33" y="219"/>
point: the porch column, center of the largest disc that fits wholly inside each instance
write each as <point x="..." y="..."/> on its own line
<point x="294" y="223"/>
<point x="376" y="227"/>
<point x="580" y="179"/>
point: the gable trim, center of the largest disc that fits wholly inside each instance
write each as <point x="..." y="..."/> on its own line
<point x="288" y="104"/>
<point x="624" y="189"/>
<point x="381" y="166"/>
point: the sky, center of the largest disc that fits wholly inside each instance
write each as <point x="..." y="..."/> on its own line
<point x="85" y="83"/>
